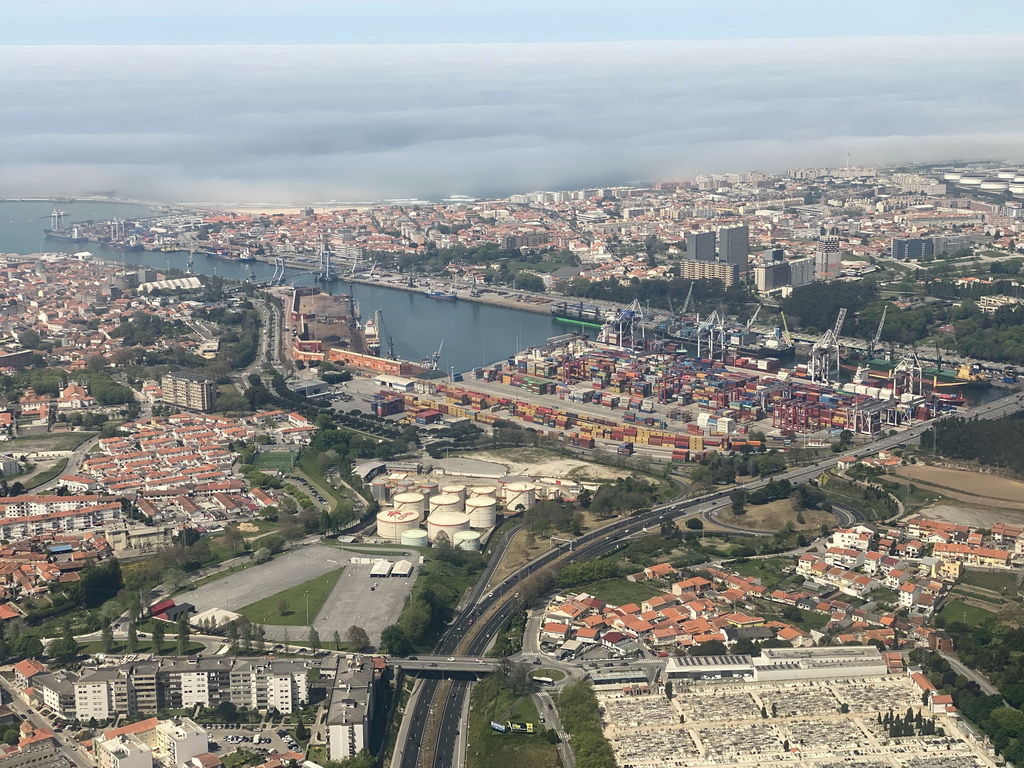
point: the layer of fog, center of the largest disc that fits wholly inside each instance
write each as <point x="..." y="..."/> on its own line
<point x="258" y="123"/>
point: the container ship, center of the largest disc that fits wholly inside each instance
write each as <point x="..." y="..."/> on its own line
<point x="879" y="372"/>
<point x="584" y="314"/>
<point x="227" y="255"/>
<point x="72" y="235"/>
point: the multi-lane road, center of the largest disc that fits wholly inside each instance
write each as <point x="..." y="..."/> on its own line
<point x="494" y="608"/>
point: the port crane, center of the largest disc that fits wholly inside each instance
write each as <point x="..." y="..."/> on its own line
<point x="711" y="336"/>
<point x="432" y="362"/>
<point x="753" y="317"/>
<point x="688" y="302"/>
<point x="878" y="333"/>
<point x="325" y="273"/>
<point x="861" y="375"/>
<point x="823" y="362"/>
<point x="786" y="335"/>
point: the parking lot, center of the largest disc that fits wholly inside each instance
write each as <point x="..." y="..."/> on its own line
<point x="228" y="738"/>
<point x="355" y="600"/>
<point x="730" y="723"/>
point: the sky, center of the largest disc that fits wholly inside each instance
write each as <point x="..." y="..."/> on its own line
<point x="307" y="101"/>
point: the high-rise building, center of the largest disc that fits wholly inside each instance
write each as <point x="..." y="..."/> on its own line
<point x="904" y="248"/>
<point x="700" y="246"/>
<point x="827" y="261"/>
<point x="771" y="277"/>
<point x="801" y="271"/>
<point x="189" y="390"/>
<point x="709" y="270"/>
<point x="734" y="246"/>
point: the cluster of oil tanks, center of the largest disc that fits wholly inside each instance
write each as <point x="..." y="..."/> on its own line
<point x="1006" y="180"/>
<point x="458" y="512"/>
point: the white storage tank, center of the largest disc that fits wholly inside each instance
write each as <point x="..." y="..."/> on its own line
<point x="952" y="175"/>
<point x="520" y="494"/>
<point x="446" y="502"/>
<point x="484" y="490"/>
<point x="415" y="538"/>
<point x="467" y="540"/>
<point x="381" y="489"/>
<point x="456" y="489"/>
<point x="429" y="488"/>
<point x="482" y="511"/>
<point x="392" y="523"/>
<point x="410" y="500"/>
<point x="448" y="523"/>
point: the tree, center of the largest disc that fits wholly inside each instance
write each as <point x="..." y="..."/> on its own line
<point x="313" y="639"/>
<point x="64" y="648"/>
<point x="282" y="606"/>
<point x="301" y="732"/>
<point x="227" y="711"/>
<point x="695" y="524"/>
<point x="394" y="641"/>
<point x="107" y="638"/>
<point x="158" y="637"/>
<point x="183" y="634"/>
<point x="133" y="637"/>
<point x="584" y="498"/>
<point x="739" y="502"/>
<point x="337" y="640"/>
<point x="357" y="637"/>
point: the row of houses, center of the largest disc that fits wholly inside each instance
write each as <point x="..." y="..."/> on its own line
<point x="31" y="567"/>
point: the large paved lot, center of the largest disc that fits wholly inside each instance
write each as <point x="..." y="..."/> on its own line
<point x="351" y="601"/>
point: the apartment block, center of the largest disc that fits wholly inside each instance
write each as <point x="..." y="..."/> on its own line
<point x="349" y="709"/>
<point x="904" y="248"/>
<point x="176" y="683"/>
<point x="771" y="277"/>
<point x="167" y="743"/>
<point x="700" y="246"/>
<point x="827" y="261"/>
<point x="709" y="270"/>
<point x="189" y="390"/>
<point x="734" y="246"/>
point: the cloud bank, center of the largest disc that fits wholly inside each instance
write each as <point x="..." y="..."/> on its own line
<point x="278" y="123"/>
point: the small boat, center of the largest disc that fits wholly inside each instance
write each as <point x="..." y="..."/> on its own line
<point x="441" y="296"/>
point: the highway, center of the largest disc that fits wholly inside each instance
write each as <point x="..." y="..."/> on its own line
<point x="502" y="598"/>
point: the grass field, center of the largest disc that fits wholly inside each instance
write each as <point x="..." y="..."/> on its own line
<point x="283" y="461"/>
<point x="491" y="749"/>
<point x="957" y="610"/>
<point x="997" y="581"/>
<point x="55" y="441"/>
<point x="45" y="475"/>
<point x="769" y="571"/>
<point x="618" y="591"/>
<point x="774" y="515"/>
<point x="293" y="601"/>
